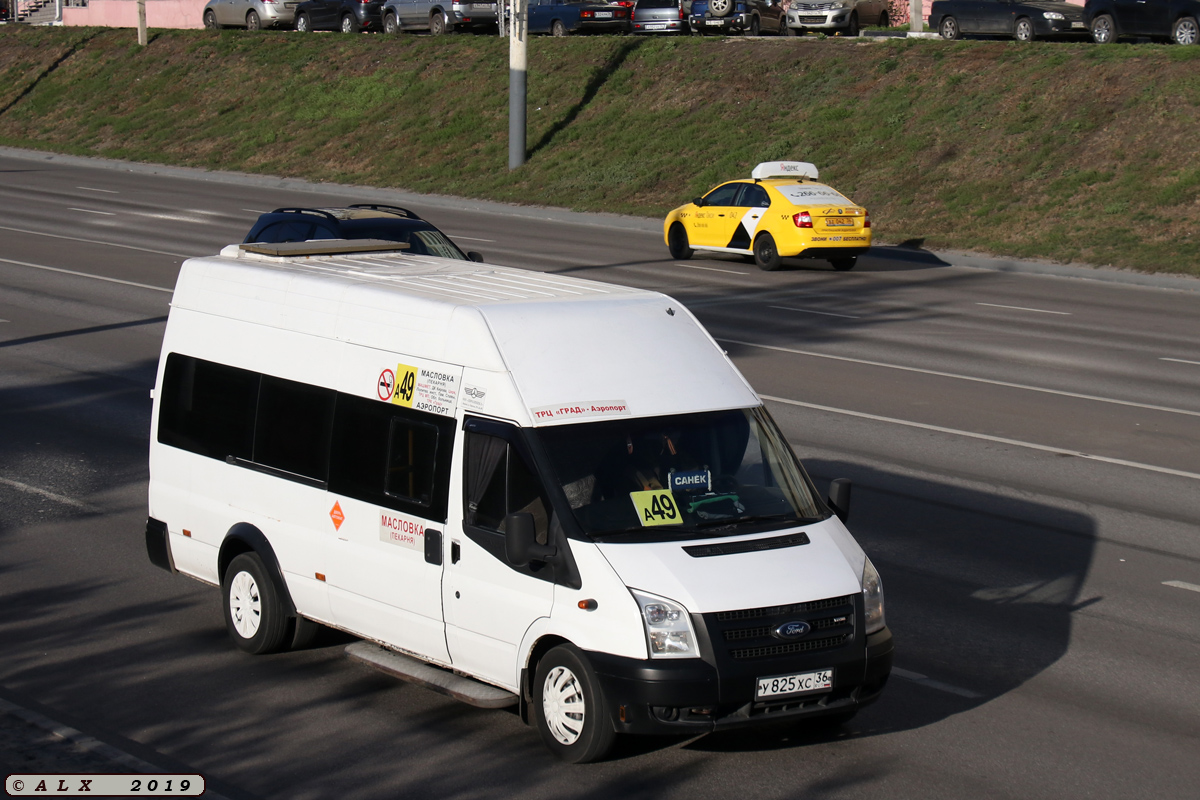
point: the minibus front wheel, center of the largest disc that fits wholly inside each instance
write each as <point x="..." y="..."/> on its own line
<point x="254" y="613"/>
<point x="569" y="706"/>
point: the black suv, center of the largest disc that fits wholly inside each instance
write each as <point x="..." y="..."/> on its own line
<point x="358" y="221"/>
<point x="1174" y="20"/>
<point x="347" y="16"/>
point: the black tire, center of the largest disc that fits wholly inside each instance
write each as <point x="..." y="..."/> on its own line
<point x="557" y="28"/>
<point x="1023" y="30"/>
<point x="852" y="28"/>
<point x="349" y="24"/>
<point x="844" y="264"/>
<point x="210" y="21"/>
<point x="569" y="707"/>
<point x="437" y="24"/>
<point x="677" y="243"/>
<point x="1185" y="31"/>
<point x="254" y="614"/>
<point x="304" y="24"/>
<point x="789" y="31"/>
<point x="948" y="28"/>
<point x="391" y="25"/>
<point x="766" y="254"/>
<point x="1104" y="30"/>
<point x="754" y="29"/>
<point x="253" y="21"/>
<point x="720" y="8"/>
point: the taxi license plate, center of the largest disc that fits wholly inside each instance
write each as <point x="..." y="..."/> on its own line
<point x="800" y="682"/>
<point x="839" y="222"/>
<point x="603" y="15"/>
<point x="714" y="22"/>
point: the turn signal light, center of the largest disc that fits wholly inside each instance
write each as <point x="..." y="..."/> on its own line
<point x="802" y="220"/>
<point x="867" y="221"/>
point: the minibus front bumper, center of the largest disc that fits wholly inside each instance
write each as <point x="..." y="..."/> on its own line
<point x="695" y="695"/>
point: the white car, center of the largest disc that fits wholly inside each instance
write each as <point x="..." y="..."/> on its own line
<point x="835" y="16"/>
<point x="250" y="14"/>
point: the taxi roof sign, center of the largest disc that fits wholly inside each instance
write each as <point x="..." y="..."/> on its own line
<point x="784" y="169"/>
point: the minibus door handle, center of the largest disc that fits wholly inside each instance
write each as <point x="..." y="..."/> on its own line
<point x="455" y="552"/>
<point x="433" y="547"/>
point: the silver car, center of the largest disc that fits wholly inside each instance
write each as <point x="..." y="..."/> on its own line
<point x="251" y="14"/>
<point x="437" y="16"/>
<point x="835" y="16"/>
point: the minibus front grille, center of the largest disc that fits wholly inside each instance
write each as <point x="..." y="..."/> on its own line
<point x="806" y="646"/>
<point x="756" y="633"/>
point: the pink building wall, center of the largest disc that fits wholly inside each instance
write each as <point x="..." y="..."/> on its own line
<point x="123" y="14"/>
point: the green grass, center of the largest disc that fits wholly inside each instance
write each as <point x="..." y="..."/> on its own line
<point x="1056" y="150"/>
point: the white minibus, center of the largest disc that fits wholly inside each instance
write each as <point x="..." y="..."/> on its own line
<point x="516" y="488"/>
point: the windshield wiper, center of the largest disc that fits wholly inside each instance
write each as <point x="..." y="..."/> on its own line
<point x="721" y="524"/>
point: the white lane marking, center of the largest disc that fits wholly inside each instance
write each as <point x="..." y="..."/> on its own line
<point x="85" y="275"/>
<point x="472" y="238"/>
<point x="712" y="269"/>
<point x="928" y="682"/>
<point x="1022" y="308"/>
<point x="985" y="437"/>
<point x="90" y="211"/>
<point x="810" y="311"/>
<point x="90" y="189"/>
<point x="254" y="211"/>
<point x="58" y="498"/>
<point x="956" y="376"/>
<point x="94" y="241"/>
<point x="1191" y="587"/>
<point x="1181" y="361"/>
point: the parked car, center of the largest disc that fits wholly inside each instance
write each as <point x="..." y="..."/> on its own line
<point x="347" y="16"/>
<point x="250" y="14"/>
<point x="749" y="17"/>
<point x="601" y="17"/>
<point x="781" y="212"/>
<point x="1023" y="20"/>
<point x="359" y="221"/>
<point x="836" y="16"/>
<point x="1173" y="20"/>
<point x="555" y="17"/>
<point x="438" y="16"/>
<point x="660" y="16"/>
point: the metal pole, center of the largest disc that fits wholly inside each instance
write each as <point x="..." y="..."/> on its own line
<point x="915" y="23"/>
<point x="517" y="69"/>
<point x="142" y="22"/>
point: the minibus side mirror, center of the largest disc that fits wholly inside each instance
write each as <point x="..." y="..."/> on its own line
<point x="839" y="498"/>
<point x="476" y="257"/>
<point x="520" y="541"/>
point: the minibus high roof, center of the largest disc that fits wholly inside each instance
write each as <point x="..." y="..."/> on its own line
<point x="564" y="340"/>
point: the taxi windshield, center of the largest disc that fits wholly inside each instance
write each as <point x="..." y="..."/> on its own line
<point x="693" y="476"/>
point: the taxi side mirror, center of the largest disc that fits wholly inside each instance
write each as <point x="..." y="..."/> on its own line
<point x="520" y="541"/>
<point x="699" y="201"/>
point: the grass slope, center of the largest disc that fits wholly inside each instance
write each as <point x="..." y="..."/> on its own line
<point x="1073" y="152"/>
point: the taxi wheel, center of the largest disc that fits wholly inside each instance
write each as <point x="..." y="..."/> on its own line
<point x="949" y="28"/>
<point x="844" y="264"/>
<point x="766" y="254"/>
<point x="677" y="243"/>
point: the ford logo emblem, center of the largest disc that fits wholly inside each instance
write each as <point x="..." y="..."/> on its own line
<point x="791" y="630"/>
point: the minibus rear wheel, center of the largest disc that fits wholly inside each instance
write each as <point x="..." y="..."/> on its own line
<point x="569" y="706"/>
<point x="254" y="615"/>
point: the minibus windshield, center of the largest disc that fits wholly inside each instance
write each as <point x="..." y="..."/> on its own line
<point x="691" y="476"/>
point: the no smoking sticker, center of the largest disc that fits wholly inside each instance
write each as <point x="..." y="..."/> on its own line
<point x="387" y="382"/>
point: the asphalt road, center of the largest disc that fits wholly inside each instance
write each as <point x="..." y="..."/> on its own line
<point x="1025" y="451"/>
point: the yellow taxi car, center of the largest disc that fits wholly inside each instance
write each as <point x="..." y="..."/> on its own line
<point x="781" y="212"/>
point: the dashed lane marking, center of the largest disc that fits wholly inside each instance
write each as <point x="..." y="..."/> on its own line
<point x="1191" y="587"/>
<point x="1181" y="361"/>
<point x="92" y="211"/>
<point x="94" y="241"/>
<point x="58" y="498"/>
<point x="956" y="376"/>
<point x="86" y="275"/>
<point x="712" y="269"/>
<point x="91" y="189"/>
<point x="811" y="311"/>
<point x="930" y="683"/>
<point x="985" y="437"/>
<point x="1022" y="308"/>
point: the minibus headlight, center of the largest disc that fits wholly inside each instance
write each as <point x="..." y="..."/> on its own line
<point x="872" y="589"/>
<point x="668" y="627"/>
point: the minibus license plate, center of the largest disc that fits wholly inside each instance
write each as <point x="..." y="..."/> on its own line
<point x="819" y="681"/>
<point x="839" y="222"/>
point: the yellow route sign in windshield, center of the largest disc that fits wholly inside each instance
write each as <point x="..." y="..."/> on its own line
<point x="656" y="507"/>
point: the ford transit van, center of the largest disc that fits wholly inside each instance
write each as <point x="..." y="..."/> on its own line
<point x="519" y="489"/>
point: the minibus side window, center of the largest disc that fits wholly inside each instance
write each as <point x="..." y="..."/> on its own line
<point x="499" y="482"/>
<point x="292" y="430"/>
<point x="207" y="408"/>
<point x="392" y="456"/>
